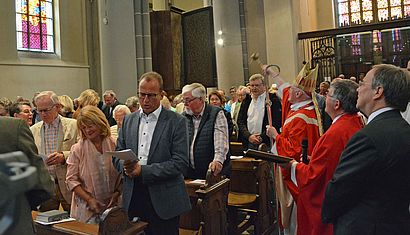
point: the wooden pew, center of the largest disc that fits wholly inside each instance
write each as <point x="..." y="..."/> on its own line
<point x="208" y="214"/>
<point x="250" y="192"/>
<point x="114" y="221"/>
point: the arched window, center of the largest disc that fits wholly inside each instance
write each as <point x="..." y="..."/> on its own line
<point x="355" y="12"/>
<point x="35" y="25"/>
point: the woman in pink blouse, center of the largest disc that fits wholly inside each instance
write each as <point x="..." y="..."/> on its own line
<point x="90" y="175"/>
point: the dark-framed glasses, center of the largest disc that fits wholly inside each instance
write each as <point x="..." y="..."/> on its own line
<point x="187" y="101"/>
<point x="142" y="95"/>
<point x="46" y="110"/>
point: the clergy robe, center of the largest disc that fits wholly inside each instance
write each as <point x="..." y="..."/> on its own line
<point x="312" y="178"/>
<point x="299" y="124"/>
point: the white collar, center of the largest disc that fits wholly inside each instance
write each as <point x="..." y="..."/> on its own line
<point x="262" y="96"/>
<point x="155" y="113"/>
<point x="298" y="105"/>
<point x="377" y="113"/>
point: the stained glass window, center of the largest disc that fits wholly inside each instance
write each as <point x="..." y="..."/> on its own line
<point x="407" y="11"/>
<point x="35" y="25"/>
<point x="343" y="7"/>
<point x="395" y="3"/>
<point x="396" y="38"/>
<point x="382" y="3"/>
<point x="396" y="13"/>
<point x="356" y="50"/>
<point x="383" y="15"/>
<point x="367" y="5"/>
<point x="356" y="19"/>
<point x="368" y="16"/>
<point x="353" y="12"/>
<point x="355" y="6"/>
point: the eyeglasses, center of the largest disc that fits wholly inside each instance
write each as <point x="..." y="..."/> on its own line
<point x="46" y="110"/>
<point x="187" y="101"/>
<point x="256" y="85"/>
<point x="27" y="111"/>
<point x="147" y="95"/>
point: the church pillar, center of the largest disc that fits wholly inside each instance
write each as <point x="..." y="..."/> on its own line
<point x="118" y="47"/>
<point x="142" y="36"/>
<point x="282" y="20"/>
<point x="228" y="48"/>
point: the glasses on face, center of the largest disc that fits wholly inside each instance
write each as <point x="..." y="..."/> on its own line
<point x="27" y="111"/>
<point x="46" y="110"/>
<point x="256" y="85"/>
<point x="188" y="101"/>
<point x="147" y="95"/>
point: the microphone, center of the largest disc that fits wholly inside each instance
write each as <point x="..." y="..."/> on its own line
<point x="304" y="151"/>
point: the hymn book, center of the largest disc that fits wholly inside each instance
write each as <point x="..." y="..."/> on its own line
<point x="267" y="156"/>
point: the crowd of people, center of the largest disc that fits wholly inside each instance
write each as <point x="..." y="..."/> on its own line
<point x="358" y="147"/>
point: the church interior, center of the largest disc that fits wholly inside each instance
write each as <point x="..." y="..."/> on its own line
<point x="69" y="46"/>
<point x="105" y="44"/>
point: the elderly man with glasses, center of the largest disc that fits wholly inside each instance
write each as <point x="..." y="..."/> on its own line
<point x="208" y="134"/>
<point x="54" y="136"/>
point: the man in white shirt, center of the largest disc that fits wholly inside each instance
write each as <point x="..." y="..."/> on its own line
<point x="154" y="188"/>
<point x="253" y="115"/>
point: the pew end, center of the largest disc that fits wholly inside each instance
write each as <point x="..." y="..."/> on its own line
<point x="209" y="207"/>
<point x="115" y="221"/>
<point x="250" y="197"/>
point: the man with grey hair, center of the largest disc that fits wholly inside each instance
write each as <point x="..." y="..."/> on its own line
<point x="253" y="114"/>
<point x="132" y="103"/>
<point x="119" y="113"/>
<point x="208" y="134"/>
<point x="310" y="180"/>
<point x="54" y="136"/>
<point x="110" y="101"/>
<point x="368" y="193"/>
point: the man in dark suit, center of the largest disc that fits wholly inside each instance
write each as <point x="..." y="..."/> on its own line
<point x="110" y="102"/>
<point x="154" y="188"/>
<point x="369" y="191"/>
<point x="16" y="136"/>
<point x="253" y="114"/>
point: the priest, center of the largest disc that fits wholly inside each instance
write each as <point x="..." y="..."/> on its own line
<point x="302" y="122"/>
<point x="311" y="180"/>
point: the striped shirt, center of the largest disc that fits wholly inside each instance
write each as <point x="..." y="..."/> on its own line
<point x="50" y="141"/>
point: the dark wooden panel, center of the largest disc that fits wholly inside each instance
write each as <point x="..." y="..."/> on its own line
<point x="199" y="47"/>
<point x="166" y="46"/>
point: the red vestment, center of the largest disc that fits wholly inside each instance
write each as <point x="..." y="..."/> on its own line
<point x="299" y="124"/>
<point x="312" y="178"/>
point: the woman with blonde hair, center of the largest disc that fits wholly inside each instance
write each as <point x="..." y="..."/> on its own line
<point x="87" y="97"/>
<point x="90" y="175"/>
<point x="67" y="106"/>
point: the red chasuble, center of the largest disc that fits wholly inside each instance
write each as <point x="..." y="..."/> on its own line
<point x="313" y="178"/>
<point x="298" y="125"/>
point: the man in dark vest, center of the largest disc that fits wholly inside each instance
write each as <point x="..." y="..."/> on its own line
<point x="208" y="133"/>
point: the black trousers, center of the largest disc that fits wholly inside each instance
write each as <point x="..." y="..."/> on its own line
<point x="141" y="206"/>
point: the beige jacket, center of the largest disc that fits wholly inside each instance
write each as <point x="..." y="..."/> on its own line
<point x="67" y="137"/>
